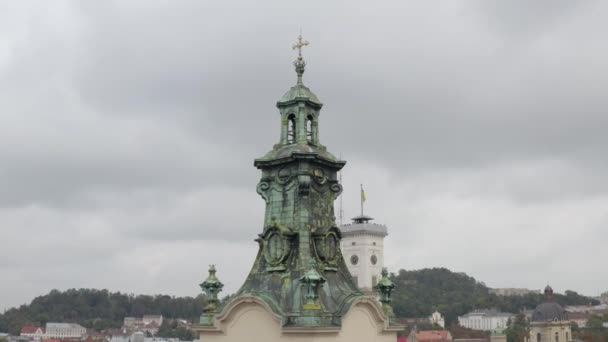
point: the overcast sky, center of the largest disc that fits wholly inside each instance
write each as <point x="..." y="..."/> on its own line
<point x="128" y="132"/>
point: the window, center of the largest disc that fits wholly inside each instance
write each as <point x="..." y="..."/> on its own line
<point x="291" y="129"/>
<point x="374" y="280"/>
<point x="538" y="337"/>
<point x="556" y="337"/>
<point x="354" y="243"/>
<point x="309" y="137"/>
<point x="567" y="336"/>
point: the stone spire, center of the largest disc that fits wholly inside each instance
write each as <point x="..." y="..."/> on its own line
<point x="299" y="271"/>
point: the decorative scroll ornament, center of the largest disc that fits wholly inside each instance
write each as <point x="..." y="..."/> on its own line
<point x="276" y="244"/>
<point x="327" y="248"/>
<point x="262" y="189"/>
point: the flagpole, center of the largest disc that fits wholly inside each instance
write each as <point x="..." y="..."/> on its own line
<point x="361" y="199"/>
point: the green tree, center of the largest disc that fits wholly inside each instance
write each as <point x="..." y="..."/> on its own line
<point x="97" y="309"/>
<point x="172" y="329"/>
<point x="594" y="322"/>
<point x="518" y="328"/>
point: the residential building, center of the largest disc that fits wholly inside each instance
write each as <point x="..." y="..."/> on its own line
<point x="487" y="320"/>
<point x="146" y="324"/>
<point x="32" y="331"/>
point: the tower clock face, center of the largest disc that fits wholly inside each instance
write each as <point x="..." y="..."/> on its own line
<point x="354" y="259"/>
<point x="374" y="259"/>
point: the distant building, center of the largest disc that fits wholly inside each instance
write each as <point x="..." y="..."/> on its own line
<point x="511" y="291"/>
<point x="550" y="322"/>
<point x="487" y="320"/>
<point x="149" y="319"/>
<point x="138" y="337"/>
<point x="64" y="330"/>
<point x="580" y="318"/>
<point x="147" y="324"/>
<point x="32" y="331"/>
<point x="363" y="249"/>
<point x="437" y="318"/>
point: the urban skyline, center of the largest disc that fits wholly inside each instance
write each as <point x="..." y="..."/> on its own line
<point x="478" y="130"/>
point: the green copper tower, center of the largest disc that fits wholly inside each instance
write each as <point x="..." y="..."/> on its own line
<point x="299" y="271"/>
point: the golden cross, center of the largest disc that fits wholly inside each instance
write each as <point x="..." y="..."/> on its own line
<point x="299" y="45"/>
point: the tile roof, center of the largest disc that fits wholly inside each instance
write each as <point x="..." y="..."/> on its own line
<point x="432" y="335"/>
<point x="29" y="329"/>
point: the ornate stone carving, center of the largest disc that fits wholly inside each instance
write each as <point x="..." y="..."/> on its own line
<point x="276" y="246"/>
<point x="262" y="189"/>
<point x="327" y="248"/>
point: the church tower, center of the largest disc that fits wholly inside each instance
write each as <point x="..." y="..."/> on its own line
<point x="299" y="282"/>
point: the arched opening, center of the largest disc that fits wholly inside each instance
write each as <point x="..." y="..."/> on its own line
<point x="291" y="129"/>
<point x="309" y="132"/>
<point x="538" y="337"/>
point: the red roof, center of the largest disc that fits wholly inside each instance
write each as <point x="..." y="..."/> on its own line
<point x="433" y="335"/>
<point x="29" y="329"/>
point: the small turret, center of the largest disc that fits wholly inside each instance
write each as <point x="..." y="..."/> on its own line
<point x="212" y="286"/>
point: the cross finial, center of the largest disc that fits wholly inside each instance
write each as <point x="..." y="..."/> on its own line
<point x="299" y="45"/>
<point x="299" y="63"/>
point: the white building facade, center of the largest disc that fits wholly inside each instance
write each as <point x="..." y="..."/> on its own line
<point x="437" y="318"/>
<point x="363" y="250"/>
<point x="487" y="320"/>
<point x="64" y="330"/>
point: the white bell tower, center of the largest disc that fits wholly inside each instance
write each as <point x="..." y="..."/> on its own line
<point x="363" y="250"/>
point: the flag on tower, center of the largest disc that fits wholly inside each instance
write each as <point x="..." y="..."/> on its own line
<point x="362" y="194"/>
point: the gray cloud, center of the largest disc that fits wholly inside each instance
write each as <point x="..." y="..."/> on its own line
<point x="128" y="131"/>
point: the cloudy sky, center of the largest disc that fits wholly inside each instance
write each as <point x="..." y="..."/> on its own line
<point x="128" y="132"/>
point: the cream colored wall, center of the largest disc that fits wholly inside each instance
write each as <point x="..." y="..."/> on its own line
<point x="252" y="322"/>
<point x="548" y="330"/>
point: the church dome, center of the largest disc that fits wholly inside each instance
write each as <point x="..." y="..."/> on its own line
<point x="549" y="310"/>
<point x="299" y="92"/>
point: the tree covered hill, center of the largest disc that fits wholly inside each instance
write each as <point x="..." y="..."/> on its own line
<point x="98" y="309"/>
<point x="420" y="292"/>
<point x="417" y="295"/>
